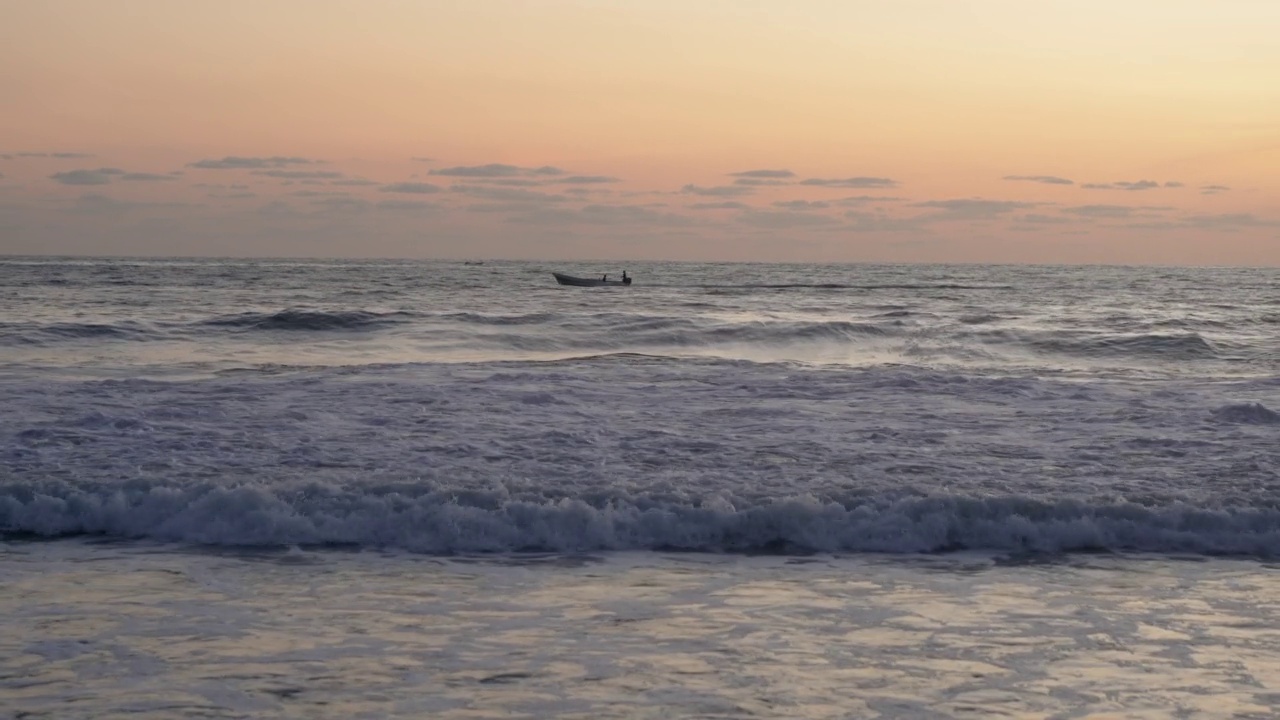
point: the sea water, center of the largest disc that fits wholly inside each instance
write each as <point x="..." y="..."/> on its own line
<point x="424" y="489"/>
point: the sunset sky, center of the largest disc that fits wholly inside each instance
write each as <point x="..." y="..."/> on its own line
<point x="1116" y="131"/>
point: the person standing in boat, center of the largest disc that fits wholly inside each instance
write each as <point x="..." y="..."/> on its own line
<point x="625" y="280"/>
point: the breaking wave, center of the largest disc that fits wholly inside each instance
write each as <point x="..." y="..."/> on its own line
<point x="442" y="522"/>
<point x="1247" y="414"/>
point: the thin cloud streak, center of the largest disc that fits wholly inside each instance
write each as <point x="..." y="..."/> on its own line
<point x="417" y="188"/>
<point x="299" y="174"/>
<point x="774" y="174"/>
<point x="586" y="180"/>
<point x="727" y="205"/>
<point x="1044" y="179"/>
<point x="851" y="182"/>
<point x="495" y="170"/>
<point x="1123" y="185"/>
<point x="52" y="155"/>
<point x="233" y="162"/>
<point x="717" y="191"/>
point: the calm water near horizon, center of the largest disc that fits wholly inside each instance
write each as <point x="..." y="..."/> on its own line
<point x="237" y="488"/>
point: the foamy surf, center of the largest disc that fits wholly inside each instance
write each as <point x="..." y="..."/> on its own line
<point x="439" y="522"/>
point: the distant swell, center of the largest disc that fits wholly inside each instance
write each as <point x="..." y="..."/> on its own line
<point x="441" y="523"/>
<point x="37" y="334"/>
<point x="1190" y="346"/>
<point x="847" y="286"/>
<point x="306" y="320"/>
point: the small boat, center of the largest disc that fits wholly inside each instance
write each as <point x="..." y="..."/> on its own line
<point x="590" y="282"/>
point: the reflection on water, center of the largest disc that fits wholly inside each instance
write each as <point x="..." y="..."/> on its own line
<point x="156" y="633"/>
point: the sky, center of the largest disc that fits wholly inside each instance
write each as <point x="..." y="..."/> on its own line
<point x="1055" y="131"/>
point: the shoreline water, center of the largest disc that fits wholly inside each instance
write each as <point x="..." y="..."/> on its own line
<point x="163" y="631"/>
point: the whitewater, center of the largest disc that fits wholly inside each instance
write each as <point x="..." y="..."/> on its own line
<point x="296" y="488"/>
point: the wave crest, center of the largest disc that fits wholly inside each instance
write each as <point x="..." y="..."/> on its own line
<point x="441" y="522"/>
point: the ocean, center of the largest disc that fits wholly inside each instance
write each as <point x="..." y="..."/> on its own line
<point x="366" y="489"/>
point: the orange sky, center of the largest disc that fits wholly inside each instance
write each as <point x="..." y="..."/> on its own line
<point x="1142" y="131"/>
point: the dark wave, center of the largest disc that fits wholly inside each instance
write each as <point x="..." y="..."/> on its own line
<point x="500" y="319"/>
<point x="850" y="286"/>
<point x="1188" y="346"/>
<point x="442" y="522"/>
<point x="30" y="333"/>
<point x="295" y="319"/>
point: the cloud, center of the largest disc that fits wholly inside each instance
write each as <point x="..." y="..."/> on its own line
<point x="758" y="182"/>
<point x="300" y="174"/>
<point x="764" y="174"/>
<point x="499" y="207"/>
<point x="406" y="206"/>
<point x="232" y="162"/>
<point x="101" y="176"/>
<point x="802" y="204"/>
<point x="717" y="191"/>
<point x="55" y="155"/>
<point x="495" y="170"/>
<point x="726" y="205"/>
<point x="1100" y="211"/>
<point x="859" y="200"/>
<point x="1122" y="185"/>
<point x="1036" y="219"/>
<point x="1139" y="185"/>
<point x="507" y="194"/>
<point x="354" y="182"/>
<point x="587" y="179"/>
<point x="422" y="159"/>
<point x="1046" y="179"/>
<point x="970" y="209"/>
<point x="781" y="220"/>
<point x="1213" y="189"/>
<point x="1174" y="184"/>
<point x="851" y="182"/>
<point x="146" y="177"/>
<point x="342" y="204"/>
<point x="410" y="187"/>
<point x="510" y="182"/>
<point x="1227" y="221"/>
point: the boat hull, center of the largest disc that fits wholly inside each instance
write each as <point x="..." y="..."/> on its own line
<point x="587" y="282"/>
